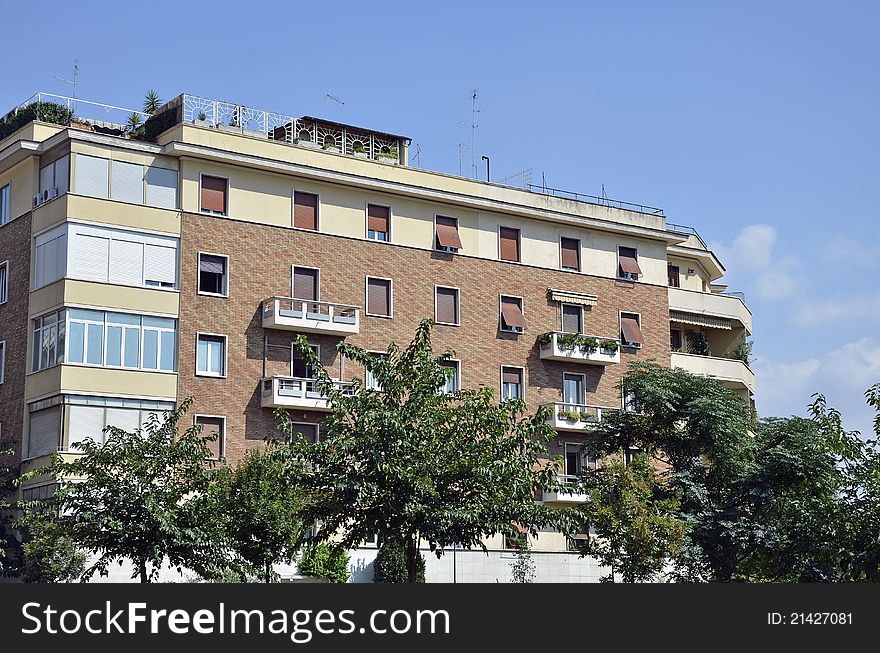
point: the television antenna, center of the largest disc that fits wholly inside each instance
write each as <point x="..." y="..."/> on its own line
<point x="474" y="125"/>
<point x="72" y="82"/>
<point x="418" y="154"/>
<point x="461" y="147"/>
<point x="327" y="99"/>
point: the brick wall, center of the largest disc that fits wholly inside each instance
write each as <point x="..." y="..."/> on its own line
<point x="15" y="247"/>
<point x="260" y="259"/>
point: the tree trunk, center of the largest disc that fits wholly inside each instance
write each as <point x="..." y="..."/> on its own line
<point x="412" y="550"/>
<point x="142" y="565"/>
<point x="268" y="572"/>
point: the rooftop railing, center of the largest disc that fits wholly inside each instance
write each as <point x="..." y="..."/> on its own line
<point x="684" y="229"/>
<point x="595" y="199"/>
<point x="95" y="114"/>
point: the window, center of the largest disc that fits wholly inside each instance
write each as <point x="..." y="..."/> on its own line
<point x="210" y="355"/>
<point x="576" y="461"/>
<point x="379" y="299"/>
<point x="5" y="193"/>
<point x="446" y="305"/>
<point x="306" y="283"/>
<point x="305" y="210"/>
<point x="675" y="340"/>
<point x="50" y="256"/>
<point x="508" y="249"/>
<point x="121" y="340"/>
<point x="308" y="431"/>
<point x="446" y="236"/>
<point x="511" y="383"/>
<point x="127" y="182"/>
<point x="214" y="195"/>
<point x="2" y="360"/>
<point x="299" y="368"/>
<point x="47" y="345"/>
<point x="572" y="318"/>
<point x="573" y="388"/>
<point x="453" y="383"/>
<point x="4" y="281"/>
<point x="512" y="319"/>
<point x="161" y="189"/>
<point x="570" y="254"/>
<point x="378" y="222"/>
<point x="369" y="378"/>
<point x="216" y="428"/>
<point x="213" y="274"/>
<point x="54" y="178"/>
<point x="39" y="493"/>
<point x="88" y="416"/>
<point x="628" y="263"/>
<point x="44" y="432"/>
<point x="92" y="176"/>
<point x="630" y="454"/>
<point x="630" y="330"/>
<point x="674" y="275"/>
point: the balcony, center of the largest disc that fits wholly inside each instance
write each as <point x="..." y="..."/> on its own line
<point x="733" y="374"/>
<point x="576" y="348"/>
<point x="310" y="317"/>
<point x="728" y="307"/>
<point x="561" y="497"/>
<point x="575" y="417"/>
<point x="296" y="392"/>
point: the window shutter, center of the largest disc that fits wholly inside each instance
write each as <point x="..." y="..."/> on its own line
<point x="632" y="333"/>
<point x="213" y="426"/>
<point x="509" y="244"/>
<point x="127" y="182"/>
<point x="162" y="187"/>
<point x="447" y="232"/>
<point x="45" y="431"/>
<point x="305" y="284"/>
<point x="309" y="431"/>
<point x="47" y="177"/>
<point x="62" y="174"/>
<point x="91" y="258"/>
<point x="92" y="176"/>
<point x="571" y="254"/>
<point x="160" y="264"/>
<point x="85" y="422"/>
<point x="305" y="210"/>
<point x="511" y="313"/>
<point x="629" y="263"/>
<point x="377" y="218"/>
<point x="126" y="262"/>
<point x="511" y="375"/>
<point x="214" y="194"/>
<point x="447" y="309"/>
<point x="127" y="419"/>
<point x="378" y="297"/>
<point x="571" y="318"/>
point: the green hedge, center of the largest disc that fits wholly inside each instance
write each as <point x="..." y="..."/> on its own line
<point x="324" y="561"/>
<point x="44" y="111"/>
<point x="390" y="565"/>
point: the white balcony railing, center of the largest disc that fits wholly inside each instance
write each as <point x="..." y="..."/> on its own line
<point x="296" y="392"/>
<point x="729" y="307"/>
<point x="563" y="496"/>
<point x="311" y="317"/>
<point x="575" y="417"/>
<point x="591" y="350"/>
<point x="732" y="373"/>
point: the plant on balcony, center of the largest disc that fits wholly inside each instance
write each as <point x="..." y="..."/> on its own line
<point x="589" y="417"/>
<point x="404" y="443"/>
<point x="152" y="102"/>
<point x="388" y="153"/>
<point x="588" y="344"/>
<point x="697" y="343"/>
<point x="50" y="112"/>
<point x="610" y="346"/>
<point x="134" y="121"/>
<point x="568" y="341"/>
<point x="545" y="339"/>
<point x="742" y="351"/>
<point x="569" y="415"/>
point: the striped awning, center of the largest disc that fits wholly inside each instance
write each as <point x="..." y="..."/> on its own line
<point x="700" y="320"/>
<point x="573" y="297"/>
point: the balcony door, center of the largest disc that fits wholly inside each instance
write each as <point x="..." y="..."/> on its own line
<point x="573" y="388"/>
<point x="298" y="366"/>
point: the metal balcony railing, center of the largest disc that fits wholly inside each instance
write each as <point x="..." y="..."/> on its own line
<point x="595" y="199"/>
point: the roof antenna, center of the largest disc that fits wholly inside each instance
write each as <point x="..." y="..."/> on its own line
<point x="604" y="196"/>
<point x="417" y="154"/>
<point x="72" y="82"/>
<point x="327" y="99"/>
<point x="461" y="146"/>
<point x="474" y="125"/>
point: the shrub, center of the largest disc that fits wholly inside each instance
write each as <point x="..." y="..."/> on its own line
<point x="325" y="561"/>
<point x="390" y="564"/>
<point x="44" y="111"/>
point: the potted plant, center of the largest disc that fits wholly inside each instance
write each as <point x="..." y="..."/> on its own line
<point x="588" y="344"/>
<point x="587" y="417"/>
<point x="610" y="346"/>
<point x="359" y="150"/>
<point x="329" y="144"/>
<point x="545" y="339"/>
<point x="201" y="119"/>
<point x="568" y="341"/>
<point x="569" y="415"/>
<point x="388" y="155"/>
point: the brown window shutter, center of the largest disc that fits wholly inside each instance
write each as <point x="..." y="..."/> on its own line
<point x="214" y="194"/>
<point x="628" y="259"/>
<point x="447" y="232"/>
<point x="509" y="244"/>
<point x="511" y="313"/>
<point x="309" y="431"/>
<point x="305" y="210"/>
<point x="571" y="254"/>
<point x="305" y="284"/>
<point x="632" y="333"/>
<point x="447" y="309"/>
<point x="571" y="318"/>
<point x="674" y="275"/>
<point x="213" y="426"/>
<point x="379" y="297"/>
<point x="511" y="375"/>
<point x="377" y="218"/>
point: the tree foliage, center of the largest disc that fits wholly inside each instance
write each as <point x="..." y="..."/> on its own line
<point x="9" y="471"/>
<point x="390" y="565"/>
<point x="48" y="553"/>
<point x="410" y="463"/>
<point x="322" y="560"/>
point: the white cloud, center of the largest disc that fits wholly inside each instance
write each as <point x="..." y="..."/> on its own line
<point x="752" y="255"/>
<point x="754" y="246"/>
<point x="822" y="312"/>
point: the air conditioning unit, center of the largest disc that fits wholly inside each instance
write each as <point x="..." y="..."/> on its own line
<point x="53" y="192"/>
<point x="38" y="199"/>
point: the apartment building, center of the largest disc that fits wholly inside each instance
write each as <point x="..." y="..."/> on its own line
<point x="138" y="271"/>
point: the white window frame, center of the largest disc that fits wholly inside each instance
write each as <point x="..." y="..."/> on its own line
<point x="36" y="343"/>
<point x="367" y="375"/>
<point x="390" y="297"/>
<point x="317" y="280"/>
<point x="457" y="362"/>
<point x="107" y="323"/>
<point x="519" y="249"/>
<point x="620" y="315"/>
<point x="626" y="276"/>
<point x="522" y="308"/>
<point x="293" y="193"/>
<point x="580" y="267"/>
<point x="317" y="426"/>
<point x="5" y="204"/>
<point x="2" y="361"/>
<point x="522" y="380"/>
<point x="367" y="206"/>
<point x="211" y="375"/>
<point x="228" y="196"/>
<point x="221" y="439"/>
<point x="4" y="289"/>
<point x="561" y="316"/>
<point x="435" y="245"/>
<point x="583" y="376"/>
<point x="225" y="293"/>
<point x="457" y="305"/>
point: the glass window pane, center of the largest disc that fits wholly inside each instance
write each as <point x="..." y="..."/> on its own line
<point x="167" y="360"/>
<point x="132" y="346"/>
<point x="202" y="355"/>
<point x="114" y="345"/>
<point x="216" y="357"/>
<point x="95" y="344"/>
<point x="124" y="318"/>
<point x="151" y="349"/>
<point x="35" y="350"/>
<point x="50" y="337"/>
<point x="82" y="314"/>
<point x="159" y="322"/>
<point x="76" y="346"/>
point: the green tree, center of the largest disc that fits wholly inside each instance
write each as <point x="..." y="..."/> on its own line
<point x="635" y="519"/>
<point x="325" y="561"/>
<point x="410" y="463"/>
<point x="48" y="554"/>
<point x="152" y="103"/>
<point x="522" y="569"/>
<point x="390" y="565"/>
<point x="259" y="509"/>
<point x="138" y="497"/>
<point x="9" y="471"/>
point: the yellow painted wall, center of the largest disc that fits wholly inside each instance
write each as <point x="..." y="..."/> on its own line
<point x="697" y="280"/>
<point x="71" y="292"/>
<point x="81" y="379"/>
<point x="118" y="154"/>
<point x="91" y="209"/>
<point x="22" y="179"/>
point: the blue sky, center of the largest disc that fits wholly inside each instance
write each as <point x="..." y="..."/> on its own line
<point x="755" y="122"/>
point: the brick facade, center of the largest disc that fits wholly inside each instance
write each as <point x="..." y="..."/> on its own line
<point x="15" y="247"/>
<point x="260" y="260"/>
